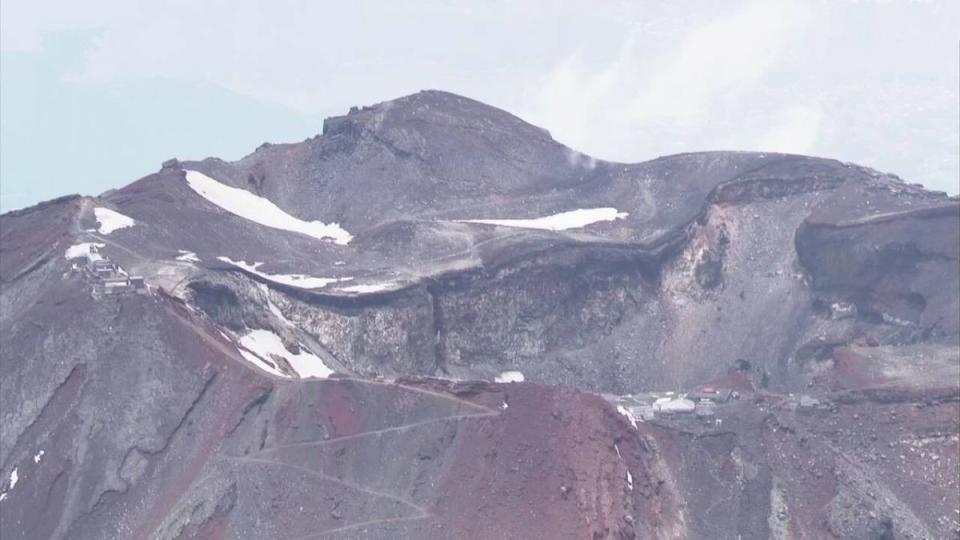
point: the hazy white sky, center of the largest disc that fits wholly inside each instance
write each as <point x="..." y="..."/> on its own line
<point x="95" y="94"/>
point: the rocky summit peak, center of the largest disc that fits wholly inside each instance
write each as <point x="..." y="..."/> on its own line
<point x="434" y="108"/>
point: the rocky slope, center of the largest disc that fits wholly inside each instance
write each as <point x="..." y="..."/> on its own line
<point x="421" y="249"/>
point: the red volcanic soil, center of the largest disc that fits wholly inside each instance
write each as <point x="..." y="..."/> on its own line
<point x="552" y="464"/>
<point x="437" y="459"/>
<point x="851" y="370"/>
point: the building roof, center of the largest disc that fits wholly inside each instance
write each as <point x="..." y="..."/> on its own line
<point x="708" y="392"/>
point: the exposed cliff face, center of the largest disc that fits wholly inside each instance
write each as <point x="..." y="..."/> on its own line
<point x="894" y="267"/>
<point x="479" y="246"/>
<point x="751" y="275"/>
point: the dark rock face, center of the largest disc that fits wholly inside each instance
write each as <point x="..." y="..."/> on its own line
<point x="896" y="266"/>
<point x="826" y="294"/>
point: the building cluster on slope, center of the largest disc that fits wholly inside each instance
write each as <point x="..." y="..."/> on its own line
<point x="108" y="278"/>
<point x="701" y="402"/>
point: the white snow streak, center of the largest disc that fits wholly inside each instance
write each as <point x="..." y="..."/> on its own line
<point x="187" y="256"/>
<point x="629" y="481"/>
<point x="573" y="219"/>
<point x="77" y="251"/>
<point x="14" y="478"/>
<point x="242" y="203"/>
<point x="111" y="220"/>
<point x="509" y="376"/>
<point x="368" y="288"/>
<point x="37" y="456"/>
<point x="265" y="364"/>
<point x="633" y="421"/>
<point x="273" y="307"/>
<point x="265" y="344"/>
<point x="301" y="281"/>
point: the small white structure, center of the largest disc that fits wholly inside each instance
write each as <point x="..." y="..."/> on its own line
<point x="509" y="377"/>
<point x="706" y="407"/>
<point x="86" y="250"/>
<point x="674" y="405"/>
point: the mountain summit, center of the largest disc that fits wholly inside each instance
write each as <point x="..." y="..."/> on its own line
<point x="434" y="321"/>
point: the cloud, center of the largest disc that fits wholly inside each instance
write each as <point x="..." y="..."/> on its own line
<point x="24" y="24"/>
<point x="311" y="56"/>
<point x="623" y="81"/>
<point x="678" y="83"/>
<point x="717" y="58"/>
<point x="569" y="99"/>
<point x="796" y="131"/>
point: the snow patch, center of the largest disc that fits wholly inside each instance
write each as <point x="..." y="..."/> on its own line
<point x="629" y="481"/>
<point x="368" y="288"/>
<point x="890" y="319"/>
<point x="187" y="256"/>
<point x="509" y="377"/>
<point x="111" y="220"/>
<point x="86" y="250"/>
<point x="38" y="456"/>
<point x="573" y="219"/>
<point x="14" y="478"/>
<point x="273" y="307"/>
<point x="240" y="202"/>
<point x="301" y="281"/>
<point x="633" y="421"/>
<point x="263" y="363"/>
<point x="265" y="344"/>
<point x="504" y="405"/>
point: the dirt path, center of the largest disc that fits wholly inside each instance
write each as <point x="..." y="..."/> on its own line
<point x="421" y="512"/>
<point x="329" y="478"/>
<point x="210" y="338"/>
<point x="448" y="397"/>
<point x="105" y="240"/>
<point x="358" y="525"/>
<point x="434" y="393"/>
<point x="394" y="429"/>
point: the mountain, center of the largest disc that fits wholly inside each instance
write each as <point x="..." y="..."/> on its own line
<point x="435" y="321"/>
